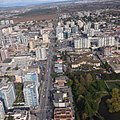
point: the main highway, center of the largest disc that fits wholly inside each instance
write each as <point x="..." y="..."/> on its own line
<point x="44" y="107"/>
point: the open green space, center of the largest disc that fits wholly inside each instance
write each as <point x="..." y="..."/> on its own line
<point x="19" y="93"/>
<point x="87" y="94"/>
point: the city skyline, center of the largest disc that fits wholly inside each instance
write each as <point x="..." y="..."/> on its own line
<point x="59" y="60"/>
<point x="12" y="3"/>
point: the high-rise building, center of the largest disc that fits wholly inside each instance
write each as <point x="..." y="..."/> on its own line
<point x="4" y="54"/>
<point x="30" y="91"/>
<point x="106" y="41"/>
<point x="7" y="93"/>
<point x="65" y="35"/>
<point x="72" y="23"/>
<point x="2" y="22"/>
<point x="96" y="26"/>
<point x="2" y="110"/>
<point x="32" y="44"/>
<point x="60" y="36"/>
<point x="31" y="76"/>
<point x="45" y="38"/>
<point x="87" y="27"/>
<point x="82" y="43"/>
<point x="59" y="30"/>
<point x="24" y="39"/>
<point x="41" y="53"/>
<point x="11" y="22"/>
<point x="59" y="33"/>
<point x="91" y="32"/>
<point x="74" y="29"/>
<point x="80" y="23"/>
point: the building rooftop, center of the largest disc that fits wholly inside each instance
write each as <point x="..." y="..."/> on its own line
<point x="60" y="98"/>
<point x="63" y="114"/>
<point x="29" y="84"/>
<point x="60" y="81"/>
<point x="4" y="85"/>
<point x="20" y="115"/>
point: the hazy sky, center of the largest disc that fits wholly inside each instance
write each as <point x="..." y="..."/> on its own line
<point x="23" y="2"/>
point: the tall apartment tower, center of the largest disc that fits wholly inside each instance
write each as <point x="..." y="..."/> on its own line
<point x="32" y="44"/>
<point x="45" y="38"/>
<point x="31" y="95"/>
<point x="7" y="93"/>
<point x="82" y="43"/>
<point x="2" y="110"/>
<point x="106" y="41"/>
<point x="41" y="53"/>
<point x="4" y="54"/>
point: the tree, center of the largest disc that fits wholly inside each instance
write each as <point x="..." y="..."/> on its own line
<point x="10" y="117"/>
<point x="84" y="116"/>
<point x="114" y="102"/>
<point x="89" y="78"/>
<point x="82" y="80"/>
<point x="70" y="83"/>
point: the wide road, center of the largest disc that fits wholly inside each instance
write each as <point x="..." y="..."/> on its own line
<point x="46" y="86"/>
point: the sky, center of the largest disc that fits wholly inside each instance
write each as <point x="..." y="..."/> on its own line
<point x="9" y="3"/>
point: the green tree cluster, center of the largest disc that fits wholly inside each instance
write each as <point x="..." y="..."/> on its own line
<point x="19" y="93"/>
<point x="87" y="94"/>
<point x="114" y="102"/>
<point x="10" y="118"/>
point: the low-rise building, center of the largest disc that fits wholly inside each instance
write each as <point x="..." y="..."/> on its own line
<point x="115" y="64"/>
<point x="63" y="114"/>
<point x="58" y="68"/>
<point x="60" y="82"/>
<point x="21" y="115"/>
<point x="85" y="60"/>
<point x="61" y="98"/>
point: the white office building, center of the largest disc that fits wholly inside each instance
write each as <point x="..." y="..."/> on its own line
<point x="2" y="111"/>
<point x="30" y="91"/>
<point x="82" y="43"/>
<point x="106" y="41"/>
<point x="96" y="25"/>
<point x="91" y="32"/>
<point x="59" y="30"/>
<point x="7" y="93"/>
<point x="41" y="53"/>
<point x="60" y="36"/>
<point x="80" y="23"/>
<point x="87" y="27"/>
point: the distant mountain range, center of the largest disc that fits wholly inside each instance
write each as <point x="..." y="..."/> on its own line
<point x="13" y="3"/>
